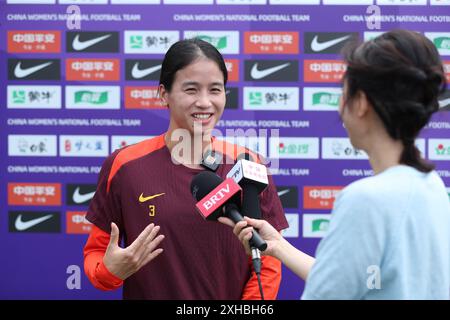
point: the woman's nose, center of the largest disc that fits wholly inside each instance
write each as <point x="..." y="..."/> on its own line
<point x="203" y="101"/>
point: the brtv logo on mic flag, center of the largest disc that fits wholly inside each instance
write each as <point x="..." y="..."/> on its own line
<point x="217" y="197"/>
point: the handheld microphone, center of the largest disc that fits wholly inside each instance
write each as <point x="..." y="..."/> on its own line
<point x="217" y="197"/>
<point x="252" y="178"/>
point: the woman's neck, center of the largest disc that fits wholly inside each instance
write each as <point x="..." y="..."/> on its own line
<point x="384" y="153"/>
<point x="187" y="149"/>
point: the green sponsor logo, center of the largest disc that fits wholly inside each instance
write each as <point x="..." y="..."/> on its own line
<point x="19" y="96"/>
<point x="326" y="98"/>
<point x="136" y="42"/>
<point x="218" y="42"/>
<point x="442" y="42"/>
<point x="91" y="97"/>
<point x="320" y="225"/>
<point x="293" y="148"/>
<point x="256" y="98"/>
<point x="441" y="150"/>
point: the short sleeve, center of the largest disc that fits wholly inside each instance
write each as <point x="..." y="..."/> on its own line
<point x="105" y="206"/>
<point x="351" y="248"/>
<point x="271" y="207"/>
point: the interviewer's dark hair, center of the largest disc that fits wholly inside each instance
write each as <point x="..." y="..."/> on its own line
<point x="402" y="76"/>
<point x="183" y="53"/>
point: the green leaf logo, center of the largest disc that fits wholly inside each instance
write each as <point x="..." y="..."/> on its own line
<point x="91" y="97"/>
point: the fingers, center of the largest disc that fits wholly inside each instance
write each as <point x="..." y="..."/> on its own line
<point x="151" y="256"/>
<point x="114" y="238"/>
<point x="239" y="226"/>
<point x="142" y="247"/>
<point x="243" y="231"/>
<point x="226" y="221"/>
<point x="245" y="235"/>
<point x="140" y="240"/>
<point x="151" y="235"/>
<point x="257" y="223"/>
<point x="149" y="250"/>
<point x="153" y="244"/>
<point x="150" y="243"/>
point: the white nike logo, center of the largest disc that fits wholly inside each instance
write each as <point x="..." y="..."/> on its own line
<point x="137" y="73"/>
<point x="22" y="73"/>
<point x="24" y="225"/>
<point x="282" y="192"/>
<point x="316" y="46"/>
<point x="443" y="103"/>
<point x="80" y="198"/>
<point x="259" y="74"/>
<point x="81" y="45"/>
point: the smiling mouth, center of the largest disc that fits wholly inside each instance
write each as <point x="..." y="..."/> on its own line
<point x="202" y="116"/>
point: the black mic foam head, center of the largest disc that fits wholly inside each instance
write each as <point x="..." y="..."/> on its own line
<point x="203" y="183"/>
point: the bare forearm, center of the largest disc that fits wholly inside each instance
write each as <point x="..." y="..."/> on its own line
<point x="299" y="262"/>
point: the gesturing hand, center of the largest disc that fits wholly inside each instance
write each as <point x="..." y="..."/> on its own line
<point x="125" y="262"/>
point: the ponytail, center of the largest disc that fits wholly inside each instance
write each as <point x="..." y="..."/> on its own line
<point x="411" y="157"/>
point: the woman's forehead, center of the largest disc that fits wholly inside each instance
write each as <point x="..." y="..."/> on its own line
<point x="200" y="71"/>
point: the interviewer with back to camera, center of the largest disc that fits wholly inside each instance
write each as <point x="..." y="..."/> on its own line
<point x="389" y="235"/>
<point x="141" y="191"/>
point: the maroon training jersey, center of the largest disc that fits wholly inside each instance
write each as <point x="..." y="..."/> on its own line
<point x="140" y="184"/>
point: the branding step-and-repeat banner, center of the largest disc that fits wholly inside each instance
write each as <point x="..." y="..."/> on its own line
<point x="73" y="91"/>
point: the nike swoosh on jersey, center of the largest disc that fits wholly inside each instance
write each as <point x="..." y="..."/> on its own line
<point x="81" y="45"/>
<point x="24" y="225"/>
<point x="320" y="46"/>
<point x="143" y="199"/>
<point x="443" y="103"/>
<point x="137" y="73"/>
<point x="282" y="192"/>
<point x="259" y="74"/>
<point x="80" y="198"/>
<point x="22" y="73"/>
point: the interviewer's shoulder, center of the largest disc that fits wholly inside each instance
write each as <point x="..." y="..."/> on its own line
<point x="394" y="184"/>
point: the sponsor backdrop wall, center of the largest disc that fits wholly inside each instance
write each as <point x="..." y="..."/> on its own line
<point x="69" y="97"/>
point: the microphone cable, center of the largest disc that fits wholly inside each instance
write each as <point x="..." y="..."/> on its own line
<point x="256" y="259"/>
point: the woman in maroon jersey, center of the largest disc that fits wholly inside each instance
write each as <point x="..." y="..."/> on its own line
<point x="143" y="189"/>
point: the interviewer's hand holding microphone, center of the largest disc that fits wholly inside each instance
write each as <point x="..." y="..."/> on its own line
<point x="243" y="230"/>
<point x="252" y="177"/>
<point x="278" y="247"/>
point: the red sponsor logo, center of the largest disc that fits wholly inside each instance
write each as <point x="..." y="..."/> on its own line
<point x="142" y="98"/>
<point x="76" y="223"/>
<point x="271" y="42"/>
<point x="27" y="41"/>
<point x="447" y="70"/>
<point x="34" y="194"/>
<point x="320" y="197"/>
<point x="92" y="69"/>
<point x="324" y="70"/>
<point x="233" y="69"/>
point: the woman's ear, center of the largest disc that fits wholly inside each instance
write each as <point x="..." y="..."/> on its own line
<point x="162" y="92"/>
<point x="362" y="104"/>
